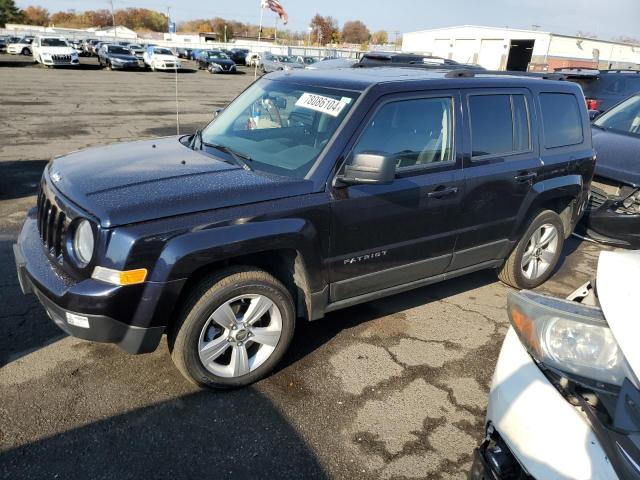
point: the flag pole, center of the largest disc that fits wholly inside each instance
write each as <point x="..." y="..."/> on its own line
<point x="255" y="71"/>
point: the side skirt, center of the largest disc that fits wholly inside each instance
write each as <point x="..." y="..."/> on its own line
<point x="348" y="302"/>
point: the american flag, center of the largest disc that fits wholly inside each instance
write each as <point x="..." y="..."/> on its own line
<point x="276" y="7"/>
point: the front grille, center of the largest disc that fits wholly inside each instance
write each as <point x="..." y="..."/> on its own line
<point x="597" y="199"/>
<point x="61" y="58"/>
<point x="52" y="225"/>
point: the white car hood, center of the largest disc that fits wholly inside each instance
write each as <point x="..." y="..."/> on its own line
<point x="165" y="58"/>
<point x="619" y="296"/>
<point x="57" y="50"/>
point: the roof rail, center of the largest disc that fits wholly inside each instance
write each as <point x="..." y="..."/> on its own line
<point x="466" y="73"/>
<point x="621" y="70"/>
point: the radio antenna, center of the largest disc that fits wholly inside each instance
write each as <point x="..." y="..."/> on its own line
<point x="177" y="102"/>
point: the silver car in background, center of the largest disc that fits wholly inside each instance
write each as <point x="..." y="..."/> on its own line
<point x="273" y="63"/>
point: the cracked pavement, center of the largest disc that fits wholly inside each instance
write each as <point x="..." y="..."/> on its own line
<point x="395" y="388"/>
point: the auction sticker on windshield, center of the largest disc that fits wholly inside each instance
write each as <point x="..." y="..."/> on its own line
<point x="319" y="103"/>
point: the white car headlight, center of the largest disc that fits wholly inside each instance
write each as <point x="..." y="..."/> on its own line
<point x="569" y="337"/>
<point x="83" y="242"/>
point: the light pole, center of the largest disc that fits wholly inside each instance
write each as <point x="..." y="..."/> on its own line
<point x="113" y="20"/>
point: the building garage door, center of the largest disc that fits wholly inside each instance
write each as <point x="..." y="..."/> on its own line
<point x="441" y="47"/>
<point x="491" y="53"/>
<point x="464" y="51"/>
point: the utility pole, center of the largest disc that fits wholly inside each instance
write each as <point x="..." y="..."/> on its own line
<point x="225" y="33"/>
<point x="169" y="22"/>
<point x="113" y="20"/>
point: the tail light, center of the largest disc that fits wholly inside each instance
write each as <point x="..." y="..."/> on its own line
<point x="593" y="104"/>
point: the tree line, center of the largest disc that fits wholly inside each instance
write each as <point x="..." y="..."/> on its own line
<point x="322" y="29"/>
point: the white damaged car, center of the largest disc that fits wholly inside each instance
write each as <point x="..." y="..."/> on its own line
<point x="565" y="396"/>
<point x="21" y="47"/>
<point x="54" y="51"/>
<point x="160" y="58"/>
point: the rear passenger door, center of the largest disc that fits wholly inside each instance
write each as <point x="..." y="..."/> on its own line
<point x="502" y="160"/>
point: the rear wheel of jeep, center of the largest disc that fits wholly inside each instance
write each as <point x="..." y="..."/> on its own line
<point x="233" y="329"/>
<point x="536" y="255"/>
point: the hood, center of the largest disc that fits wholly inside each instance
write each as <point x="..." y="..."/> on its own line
<point x="57" y="50"/>
<point x="165" y="58"/>
<point x="617" y="284"/>
<point x="122" y="56"/>
<point x="222" y="61"/>
<point x="618" y="156"/>
<point x="147" y="180"/>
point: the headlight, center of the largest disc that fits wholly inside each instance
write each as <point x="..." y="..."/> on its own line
<point x="568" y="337"/>
<point x="83" y="242"/>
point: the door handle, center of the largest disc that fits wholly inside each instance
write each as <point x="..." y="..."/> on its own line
<point x="443" y="192"/>
<point x="525" y="177"/>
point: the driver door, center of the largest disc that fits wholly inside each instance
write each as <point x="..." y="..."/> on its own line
<point x="386" y="236"/>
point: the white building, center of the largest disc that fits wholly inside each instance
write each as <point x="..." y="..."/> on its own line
<point x="513" y="49"/>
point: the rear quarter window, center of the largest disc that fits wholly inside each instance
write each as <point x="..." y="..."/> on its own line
<point x="561" y="120"/>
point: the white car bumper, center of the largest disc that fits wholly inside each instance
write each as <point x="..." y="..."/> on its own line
<point x="166" y="66"/>
<point x="15" y="50"/>
<point x="549" y="437"/>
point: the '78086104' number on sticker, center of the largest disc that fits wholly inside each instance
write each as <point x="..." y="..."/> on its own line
<point x="319" y="103"/>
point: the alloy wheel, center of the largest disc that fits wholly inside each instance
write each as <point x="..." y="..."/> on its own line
<point x="240" y="335"/>
<point x="541" y="251"/>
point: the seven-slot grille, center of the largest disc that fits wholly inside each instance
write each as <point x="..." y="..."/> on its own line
<point x="52" y="225"/>
<point x="61" y="58"/>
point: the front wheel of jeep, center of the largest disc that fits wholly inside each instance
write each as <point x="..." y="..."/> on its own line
<point x="233" y="329"/>
<point x="536" y="255"/>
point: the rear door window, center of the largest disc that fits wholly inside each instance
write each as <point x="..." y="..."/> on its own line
<point x="561" y="120"/>
<point x="499" y="125"/>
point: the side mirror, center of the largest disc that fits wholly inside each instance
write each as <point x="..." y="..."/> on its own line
<point x="217" y="112"/>
<point x="593" y="114"/>
<point x="369" y="168"/>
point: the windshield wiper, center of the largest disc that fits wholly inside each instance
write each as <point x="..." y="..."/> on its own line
<point x="240" y="158"/>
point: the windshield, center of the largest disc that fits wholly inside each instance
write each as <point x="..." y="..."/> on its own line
<point x="53" y="42"/>
<point x="26" y="40"/>
<point x="624" y="118"/>
<point x="281" y="127"/>
<point x="162" y="51"/>
<point x="284" y="59"/>
<point x="217" y="55"/>
<point x="119" y="50"/>
<point x="135" y="45"/>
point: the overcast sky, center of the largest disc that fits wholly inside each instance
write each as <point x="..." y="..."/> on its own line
<point x="607" y="19"/>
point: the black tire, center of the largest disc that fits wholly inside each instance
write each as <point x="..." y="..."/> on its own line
<point x="206" y="297"/>
<point x="512" y="272"/>
<point x="108" y="65"/>
<point x="26" y="51"/>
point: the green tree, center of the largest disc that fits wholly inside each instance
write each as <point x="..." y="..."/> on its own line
<point x="10" y="13"/>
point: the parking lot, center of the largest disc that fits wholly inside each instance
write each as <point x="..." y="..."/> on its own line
<point x="394" y="388"/>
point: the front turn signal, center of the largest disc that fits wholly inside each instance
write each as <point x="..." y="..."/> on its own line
<point x="119" y="277"/>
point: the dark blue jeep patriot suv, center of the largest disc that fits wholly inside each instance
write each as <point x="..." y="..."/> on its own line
<point x="310" y="192"/>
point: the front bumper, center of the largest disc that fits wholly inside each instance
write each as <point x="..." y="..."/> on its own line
<point x="606" y="226"/>
<point x="548" y="436"/>
<point x="125" y="66"/>
<point x="90" y="309"/>
<point x="61" y="63"/>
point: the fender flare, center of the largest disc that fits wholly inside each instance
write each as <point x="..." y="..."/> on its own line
<point x="186" y="253"/>
<point x="547" y="190"/>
